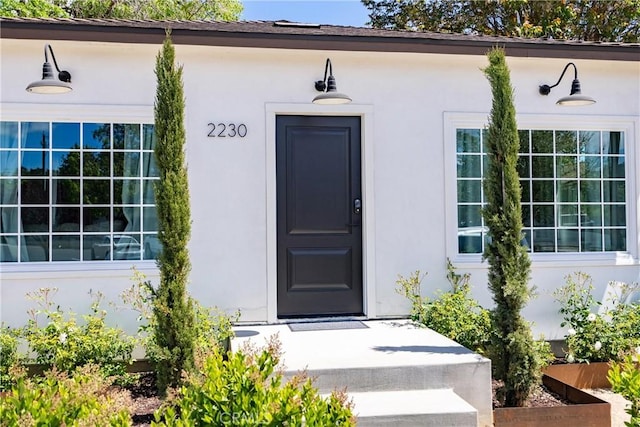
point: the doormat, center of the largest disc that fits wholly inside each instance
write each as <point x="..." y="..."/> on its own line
<point x="327" y="326"/>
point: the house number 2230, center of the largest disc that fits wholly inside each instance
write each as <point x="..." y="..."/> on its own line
<point x="227" y="130"/>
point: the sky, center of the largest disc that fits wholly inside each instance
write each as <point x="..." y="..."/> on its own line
<point x="336" y="12"/>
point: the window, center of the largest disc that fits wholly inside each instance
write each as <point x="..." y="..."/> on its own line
<point x="74" y="191"/>
<point x="573" y="190"/>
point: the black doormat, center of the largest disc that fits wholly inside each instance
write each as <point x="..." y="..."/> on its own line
<point x="327" y="326"/>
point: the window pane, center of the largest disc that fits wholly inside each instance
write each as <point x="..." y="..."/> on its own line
<point x="613" y="143"/>
<point x="34" y="220"/>
<point x="96" y="163"/>
<point x="590" y="191"/>
<point x="65" y="135"/>
<point x="36" y="249"/>
<point x="615" y="240"/>
<point x="35" y="191"/>
<point x="152" y="246"/>
<point x="66" y="191"/>
<point x="8" y="134"/>
<point x="96" y="219"/>
<point x="149" y="137"/>
<point x="35" y="163"/>
<point x="615" y="215"/>
<point x="470" y="241"/>
<point x="567" y="216"/>
<point x="543" y="191"/>
<point x="468" y="140"/>
<point x="543" y="216"/>
<point x="35" y="135"/>
<point x="126" y="191"/>
<point x="96" y="191"/>
<point x="589" y="142"/>
<point x="544" y="241"/>
<point x="96" y="135"/>
<point x="542" y="166"/>
<point x="590" y="215"/>
<point x="613" y="167"/>
<point x="8" y="163"/>
<point x="126" y="218"/>
<point x="150" y="219"/>
<point x="526" y="215"/>
<point x="96" y="247"/>
<point x="542" y="141"/>
<point x="591" y="240"/>
<point x="66" y="219"/>
<point x="469" y="216"/>
<point x="126" y="247"/>
<point x="9" y="191"/>
<point x="9" y="219"/>
<point x="66" y="163"/>
<point x="150" y="168"/>
<point x="568" y="240"/>
<point x="567" y="191"/>
<point x="525" y="194"/>
<point x="8" y="249"/>
<point x="614" y="191"/>
<point x="566" y="167"/>
<point x="590" y="167"/>
<point x="126" y="136"/>
<point x="65" y="248"/>
<point x="566" y="142"/>
<point x="148" y="194"/>
<point x="468" y="166"/>
<point x="469" y="191"/>
<point x="126" y="164"/>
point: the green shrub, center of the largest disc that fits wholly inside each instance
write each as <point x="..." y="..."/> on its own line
<point x="593" y="337"/>
<point x="84" y="399"/>
<point x="248" y="390"/>
<point x="625" y="380"/>
<point x="454" y="314"/>
<point x="8" y="356"/>
<point x="64" y="343"/>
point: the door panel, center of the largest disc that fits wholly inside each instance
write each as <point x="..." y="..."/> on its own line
<point x="319" y="231"/>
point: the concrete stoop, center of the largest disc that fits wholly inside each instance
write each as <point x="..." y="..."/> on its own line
<point x="397" y="374"/>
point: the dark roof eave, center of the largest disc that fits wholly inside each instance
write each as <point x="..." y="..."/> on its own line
<point x="457" y="44"/>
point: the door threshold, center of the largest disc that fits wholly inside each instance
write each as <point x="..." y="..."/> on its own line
<point x="322" y="319"/>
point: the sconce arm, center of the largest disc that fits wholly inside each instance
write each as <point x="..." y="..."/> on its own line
<point x="62" y="75"/>
<point x="545" y="89"/>
<point x="321" y="85"/>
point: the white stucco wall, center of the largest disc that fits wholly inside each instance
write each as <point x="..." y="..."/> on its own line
<point x="406" y="101"/>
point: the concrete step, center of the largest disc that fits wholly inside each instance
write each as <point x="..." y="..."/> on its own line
<point x="382" y="356"/>
<point x="437" y="408"/>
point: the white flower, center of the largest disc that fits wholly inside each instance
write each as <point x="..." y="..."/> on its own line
<point x="570" y="358"/>
<point x="591" y="317"/>
<point x="638" y="350"/>
<point x="571" y="331"/>
<point x="63" y="338"/>
<point x="597" y="346"/>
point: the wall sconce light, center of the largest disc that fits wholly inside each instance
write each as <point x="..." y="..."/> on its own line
<point x="330" y="94"/>
<point x="49" y="83"/>
<point x="575" y="98"/>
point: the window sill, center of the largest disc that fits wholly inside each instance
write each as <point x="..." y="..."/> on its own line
<point x="16" y="270"/>
<point x="549" y="260"/>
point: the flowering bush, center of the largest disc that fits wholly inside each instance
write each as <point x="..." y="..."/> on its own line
<point x="8" y="356"/>
<point x="625" y="380"/>
<point x="61" y="341"/>
<point x="593" y="337"/>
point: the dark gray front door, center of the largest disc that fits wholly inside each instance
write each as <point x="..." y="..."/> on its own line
<point x="319" y="216"/>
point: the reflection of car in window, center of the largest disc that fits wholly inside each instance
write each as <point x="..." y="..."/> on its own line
<point x="122" y="247"/>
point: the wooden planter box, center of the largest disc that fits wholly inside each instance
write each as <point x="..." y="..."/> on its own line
<point x="587" y="410"/>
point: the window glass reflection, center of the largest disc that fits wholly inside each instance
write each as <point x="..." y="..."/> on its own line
<point x="96" y="136"/>
<point x="65" y="135"/>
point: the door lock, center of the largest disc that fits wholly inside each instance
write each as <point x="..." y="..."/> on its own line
<point x="357" y="206"/>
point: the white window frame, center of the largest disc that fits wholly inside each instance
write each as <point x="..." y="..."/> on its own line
<point x="49" y="112"/>
<point x="629" y="125"/>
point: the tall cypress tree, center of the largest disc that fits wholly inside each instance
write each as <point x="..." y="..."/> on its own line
<point x="512" y="350"/>
<point x="172" y="307"/>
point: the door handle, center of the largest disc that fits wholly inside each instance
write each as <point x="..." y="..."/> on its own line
<point x="357" y="206"/>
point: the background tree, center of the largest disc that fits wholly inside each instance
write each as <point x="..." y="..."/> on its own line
<point x="513" y="352"/>
<point x="596" y="20"/>
<point x="172" y="307"/>
<point x="223" y="10"/>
